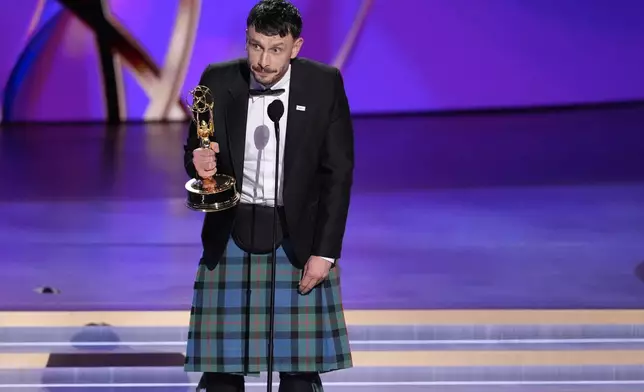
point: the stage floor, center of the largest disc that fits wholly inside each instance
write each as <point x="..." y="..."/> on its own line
<point x="521" y="211"/>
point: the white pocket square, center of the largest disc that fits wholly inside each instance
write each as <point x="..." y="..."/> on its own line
<point x="300" y="108"/>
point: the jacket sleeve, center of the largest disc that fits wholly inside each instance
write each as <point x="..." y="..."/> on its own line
<point x="337" y="164"/>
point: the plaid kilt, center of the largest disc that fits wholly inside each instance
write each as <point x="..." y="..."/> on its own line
<point x="229" y="320"/>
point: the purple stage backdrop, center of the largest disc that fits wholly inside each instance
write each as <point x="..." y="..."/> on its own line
<point x="395" y="55"/>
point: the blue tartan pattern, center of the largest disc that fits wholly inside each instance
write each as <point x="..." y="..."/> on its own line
<point x="229" y="319"/>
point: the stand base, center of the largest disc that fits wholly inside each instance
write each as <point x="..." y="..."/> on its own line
<point x="213" y="207"/>
<point x="221" y="197"/>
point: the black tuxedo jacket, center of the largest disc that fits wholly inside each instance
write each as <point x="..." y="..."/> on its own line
<point x="318" y="156"/>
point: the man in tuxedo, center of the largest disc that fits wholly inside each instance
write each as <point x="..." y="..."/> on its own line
<point x="230" y="311"/>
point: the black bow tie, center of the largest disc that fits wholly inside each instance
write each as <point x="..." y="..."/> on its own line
<point x="268" y="91"/>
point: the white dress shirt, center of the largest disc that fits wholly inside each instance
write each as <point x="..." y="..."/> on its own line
<point x="258" y="185"/>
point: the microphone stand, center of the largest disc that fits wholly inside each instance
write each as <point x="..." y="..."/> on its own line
<point x="271" y="328"/>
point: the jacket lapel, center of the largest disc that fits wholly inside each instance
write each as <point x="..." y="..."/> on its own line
<point x="296" y="121"/>
<point x="236" y="117"/>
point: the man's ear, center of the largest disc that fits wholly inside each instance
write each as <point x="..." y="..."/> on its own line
<point x="297" y="45"/>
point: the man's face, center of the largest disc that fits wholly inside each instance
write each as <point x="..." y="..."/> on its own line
<point x="269" y="56"/>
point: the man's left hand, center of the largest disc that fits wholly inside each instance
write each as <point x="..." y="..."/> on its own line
<point x="315" y="271"/>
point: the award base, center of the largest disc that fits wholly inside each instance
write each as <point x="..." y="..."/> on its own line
<point x="213" y="194"/>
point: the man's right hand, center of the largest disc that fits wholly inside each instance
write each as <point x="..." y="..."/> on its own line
<point x="205" y="160"/>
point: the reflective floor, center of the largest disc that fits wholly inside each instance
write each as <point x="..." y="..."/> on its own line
<point x="500" y="211"/>
<point x="538" y="210"/>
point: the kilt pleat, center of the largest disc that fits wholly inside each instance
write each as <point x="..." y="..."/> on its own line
<point x="229" y="319"/>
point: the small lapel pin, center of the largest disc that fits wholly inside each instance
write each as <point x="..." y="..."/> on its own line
<point x="300" y="108"/>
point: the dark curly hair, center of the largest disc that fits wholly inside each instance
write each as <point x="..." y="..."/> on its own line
<point x="275" y="17"/>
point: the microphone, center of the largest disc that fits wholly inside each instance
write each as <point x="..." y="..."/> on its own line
<point x="275" y="112"/>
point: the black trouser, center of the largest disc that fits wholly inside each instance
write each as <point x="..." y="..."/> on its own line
<point x="289" y="382"/>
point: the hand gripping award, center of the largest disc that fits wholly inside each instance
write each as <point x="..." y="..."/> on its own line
<point x="218" y="192"/>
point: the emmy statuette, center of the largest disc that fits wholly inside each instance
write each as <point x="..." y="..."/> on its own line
<point x="216" y="193"/>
